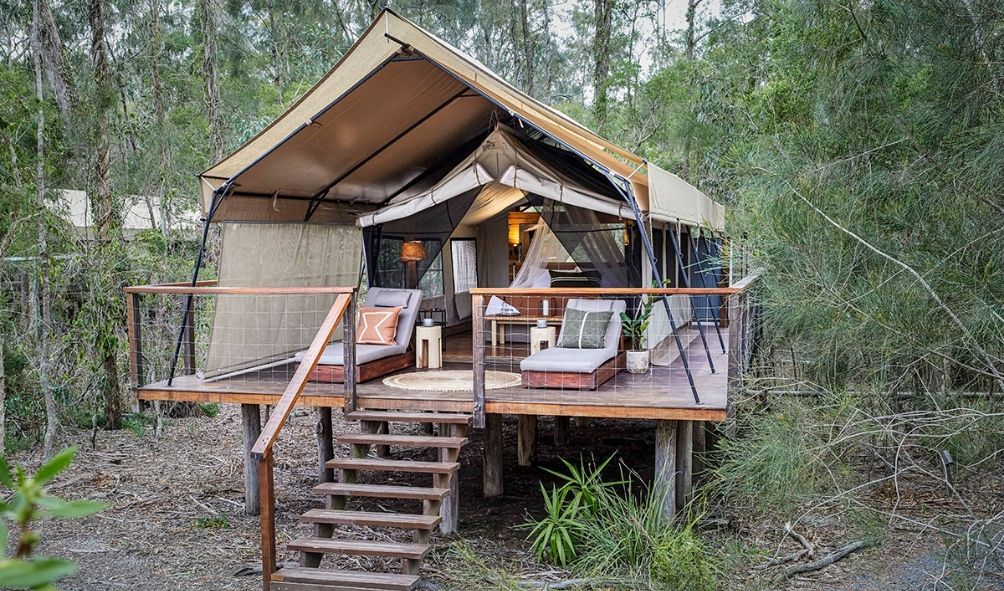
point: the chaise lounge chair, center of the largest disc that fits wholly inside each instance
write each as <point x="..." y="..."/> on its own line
<point x="373" y="361"/>
<point x="578" y="368"/>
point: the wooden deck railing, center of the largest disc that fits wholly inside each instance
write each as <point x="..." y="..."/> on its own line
<point x="262" y="450"/>
<point x="342" y="309"/>
<point x="738" y="303"/>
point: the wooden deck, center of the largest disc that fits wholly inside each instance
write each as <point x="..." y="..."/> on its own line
<point x="662" y="393"/>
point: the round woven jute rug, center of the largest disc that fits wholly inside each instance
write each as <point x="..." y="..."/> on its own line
<point x="452" y="380"/>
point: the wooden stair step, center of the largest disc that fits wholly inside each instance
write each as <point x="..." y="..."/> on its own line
<point x="406" y="550"/>
<point x="409" y="417"/>
<point x="346" y="579"/>
<point x="403" y="440"/>
<point x="382" y="465"/>
<point x="381" y="491"/>
<point x="372" y="519"/>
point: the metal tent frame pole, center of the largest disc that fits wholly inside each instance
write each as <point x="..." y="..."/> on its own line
<point x="704" y="283"/>
<point x="686" y="282"/>
<point x="650" y="251"/>
<point x="218" y="195"/>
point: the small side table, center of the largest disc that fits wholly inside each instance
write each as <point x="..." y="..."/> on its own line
<point x="429" y="346"/>
<point x="542" y="336"/>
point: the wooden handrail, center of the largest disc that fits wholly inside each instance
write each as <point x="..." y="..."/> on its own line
<point x="170" y="288"/>
<point x="735" y="288"/>
<point x="604" y="291"/>
<point x="277" y="419"/>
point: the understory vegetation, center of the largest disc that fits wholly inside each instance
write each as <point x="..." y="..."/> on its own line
<point x="857" y="145"/>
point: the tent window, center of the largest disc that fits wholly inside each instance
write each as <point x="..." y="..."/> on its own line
<point x="431" y="282"/>
<point x="465" y="271"/>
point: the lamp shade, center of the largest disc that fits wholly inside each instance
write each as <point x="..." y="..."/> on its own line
<point x="413" y="251"/>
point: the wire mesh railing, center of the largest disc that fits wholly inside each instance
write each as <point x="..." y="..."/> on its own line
<point x="567" y="344"/>
<point x="264" y="338"/>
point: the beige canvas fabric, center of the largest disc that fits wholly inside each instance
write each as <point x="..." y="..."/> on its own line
<point x="398" y="103"/>
<point x="671" y="198"/>
<point x="499" y="160"/>
<point x="250" y="331"/>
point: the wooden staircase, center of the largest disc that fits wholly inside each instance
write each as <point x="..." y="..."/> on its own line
<point x="438" y="504"/>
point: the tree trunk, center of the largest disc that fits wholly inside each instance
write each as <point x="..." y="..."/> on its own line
<point x="207" y="14"/>
<point x="53" y="60"/>
<point x="603" y="11"/>
<point x="690" y="48"/>
<point x="277" y="50"/>
<point x="155" y="83"/>
<point x="42" y="293"/>
<point x="107" y="225"/>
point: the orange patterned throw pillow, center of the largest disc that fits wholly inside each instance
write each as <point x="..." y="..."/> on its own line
<point x="377" y="326"/>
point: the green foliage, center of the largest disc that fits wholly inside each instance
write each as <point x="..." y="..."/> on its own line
<point x="602" y="530"/>
<point x="774" y="465"/>
<point x="30" y="503"/>
<point x="209" y="409"/>
<point x="635" y="327"/>
<point x="215" y="522"/>
<point x="554" y="537"/>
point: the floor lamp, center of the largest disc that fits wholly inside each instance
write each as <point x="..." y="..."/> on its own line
<point x="412" y="252"/>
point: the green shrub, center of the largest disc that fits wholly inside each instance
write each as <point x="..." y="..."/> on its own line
<point x="30" y="503"/>
<point x="602" y="530"/>
<point x="209" y="409"/>
<point x="774" y="464"/>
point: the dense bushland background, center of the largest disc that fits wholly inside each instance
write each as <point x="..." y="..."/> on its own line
<point x="859" y="146"/>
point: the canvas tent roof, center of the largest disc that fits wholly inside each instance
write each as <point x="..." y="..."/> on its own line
<point x="382" y="123"/>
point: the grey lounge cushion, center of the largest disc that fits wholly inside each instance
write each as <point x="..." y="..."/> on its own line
<point x="581" y="360"/>
<point x="584" y="330"/>
<point x="567" y="360"/>
<point x="379" y="297"/>
<point x="333" y="354"/>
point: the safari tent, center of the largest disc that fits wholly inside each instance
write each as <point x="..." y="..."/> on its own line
<point x="413" y="183"/>
<point x="408" y="139"/>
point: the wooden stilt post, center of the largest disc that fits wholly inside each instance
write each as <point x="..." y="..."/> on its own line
<point x="684" y="462"/>
<point x="665" y="466"/>
<point x="251" y="423"/>
<point x="449" y="510"/>
<point x="700" y="446"/>
<point x="561" y="425"/>
<point x="325" y="445"/>
<point x="492" y="476"/>
<point x="527" y="440"/>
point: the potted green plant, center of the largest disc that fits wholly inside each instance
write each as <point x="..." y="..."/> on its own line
<point x="638" y="356"/>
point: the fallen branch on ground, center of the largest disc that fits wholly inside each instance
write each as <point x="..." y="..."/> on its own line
<point x="823" y="562"/>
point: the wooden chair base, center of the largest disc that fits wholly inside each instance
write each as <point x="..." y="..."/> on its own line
<point x="335" y="374"/>
<point x="575" y="381"/>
